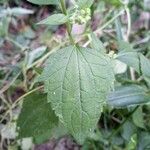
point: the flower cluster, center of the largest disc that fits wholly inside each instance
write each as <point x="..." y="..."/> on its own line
<point x="80" y="16"/>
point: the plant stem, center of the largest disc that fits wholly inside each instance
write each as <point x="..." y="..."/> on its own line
<point x="15" y="43"/>
<point x="104" y="26"/>
<point x="18" y="100"/>
<point x="6" y="87"/>
<point x="64" y="11"/>
<point x="129" y="21"/>
<point x="42" y="59"/>
<point x="118" y="129"/>
<point x="109" y="22"/>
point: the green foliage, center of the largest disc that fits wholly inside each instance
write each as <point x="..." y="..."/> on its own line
<point x="77" y="81"/>
<point x="36" y="119"/>
<point x="97" y="44"/>
<point x="138" y="118"/>
<point x="55" y="19"/>
<point x="44" y="2"/>
<point x="85" y="3"/>
<point x="80" y="97"/>
<point x="144" y="140"/>
<point x="129" y="95"/>
<point x="116" y="3"/>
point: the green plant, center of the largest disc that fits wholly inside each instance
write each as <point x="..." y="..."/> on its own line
<point x="77" y="80"/>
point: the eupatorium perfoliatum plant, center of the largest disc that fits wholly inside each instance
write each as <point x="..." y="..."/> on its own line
<point x="76" y="80"/>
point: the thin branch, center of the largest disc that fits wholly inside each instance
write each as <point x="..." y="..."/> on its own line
<point x="121" y="125"/>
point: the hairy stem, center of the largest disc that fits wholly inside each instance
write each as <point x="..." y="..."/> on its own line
<point x="64" y="11"/>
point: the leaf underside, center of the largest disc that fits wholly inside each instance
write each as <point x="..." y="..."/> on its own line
<point x="77" y="81"/>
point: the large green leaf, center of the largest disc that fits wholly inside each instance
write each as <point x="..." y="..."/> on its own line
<point x="36" y="118"/>
<point x="55" y="19"/>
<point x="128" y="95"/>
<point x="44" y="2"/>
<point x="77" y="81"/>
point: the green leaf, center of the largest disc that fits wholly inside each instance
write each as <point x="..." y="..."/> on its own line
<point x="131" y="59"/>
<point x="55" y="19"/>
<point x="116" y="3"/>
<point x="77" y="81"/>
<point x="128" y="130"/>
<point x="97" y="44"/>
<point x="138" y="118"/>
<point x="85" y="3"/>
<point x="128" y="95"/>
<point x="143" y="141"/>
<point x="145" y="65"/>
<point x="44" y="2"/>
<point x="35" y="54"/>
<point x="136" y="60"/>
<point x="118" y="29"/>
<point x="125" y="46"/>
<point x="36" y="118"/>
<point x="16" y="11"/>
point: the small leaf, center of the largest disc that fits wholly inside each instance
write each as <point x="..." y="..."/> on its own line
<point x="85" y="3"/>
<point x="116" y="3"/>
<point x="36" y="118"/>
<point x="136" y="60"/>
<point x="77" y="81"/>
<point x="119" y="67"/>
<point x="35" y="54"/>
<point x="16" y="11"/>
<point x="118" y="29"/>
<point x="20" y="11"/>
<point x="138" y="118"/>
<point x="129" y="95"/>
<point x="131" y="59"/>
<point x="55" y="19"/>
<point x="97" y="44"/>
<point x="44" y="2"/>
<point x="145" y="65"/>
<point x="143" y="141"/>
<point x="125" y="46"/>
<point x="128" y="130"/>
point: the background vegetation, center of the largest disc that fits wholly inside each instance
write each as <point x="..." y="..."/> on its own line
<point x="24" y="48"/>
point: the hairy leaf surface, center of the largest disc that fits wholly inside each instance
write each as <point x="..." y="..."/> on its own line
<point x="77" y="81"/>
<point x="36" y="118"/>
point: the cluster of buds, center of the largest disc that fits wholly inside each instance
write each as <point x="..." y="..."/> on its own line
<point x="80" y="16"/>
